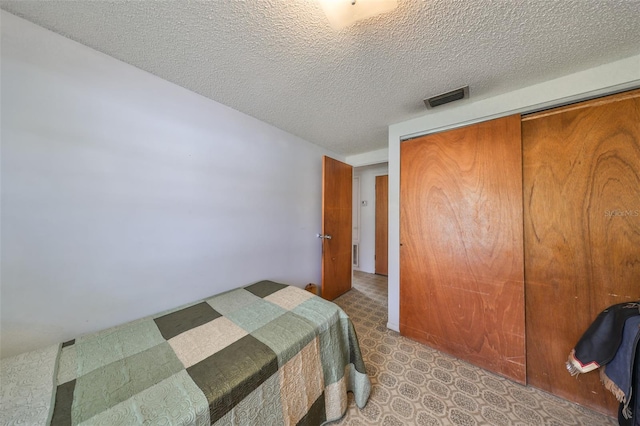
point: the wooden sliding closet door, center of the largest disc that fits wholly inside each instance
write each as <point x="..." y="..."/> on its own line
<point x="461" y="266"/>
<point x="582" y="232"/>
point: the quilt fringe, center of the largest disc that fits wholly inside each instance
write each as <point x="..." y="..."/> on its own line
<point x="611" y="386"/>
<point x="617" y="392"/>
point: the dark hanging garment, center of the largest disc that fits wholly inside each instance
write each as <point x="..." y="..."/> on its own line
<point x="634" y="403"/>
<point x="612" y="342"/>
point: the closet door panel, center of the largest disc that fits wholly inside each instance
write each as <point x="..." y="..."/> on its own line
<point x="461" y="266"/>
<point x="582" y="232"/>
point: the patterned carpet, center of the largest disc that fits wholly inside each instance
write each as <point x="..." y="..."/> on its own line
<point x="416" y="385"/>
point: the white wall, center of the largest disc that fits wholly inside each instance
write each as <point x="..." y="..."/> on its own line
<point x="608" y="78"/>
<point x="368" y="214"/>
<point x="124" y="195"/>
<point x="369" y="158"/>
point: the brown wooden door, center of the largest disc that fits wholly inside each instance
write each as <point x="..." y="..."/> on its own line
<point x="337" y="187"/>
<point x="382" y="224"/>
<point x="461" y="266"/>
<point x="582" y="232"/>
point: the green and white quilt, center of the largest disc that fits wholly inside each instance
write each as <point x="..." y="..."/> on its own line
<point x="266" y="354"/>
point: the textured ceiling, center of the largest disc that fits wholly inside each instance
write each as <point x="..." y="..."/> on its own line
<point x="282" y="63"/>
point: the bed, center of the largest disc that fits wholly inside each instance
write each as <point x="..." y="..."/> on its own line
<point x="266" y="354"/>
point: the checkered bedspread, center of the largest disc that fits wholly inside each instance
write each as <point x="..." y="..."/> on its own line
<point x="266" y="354"/>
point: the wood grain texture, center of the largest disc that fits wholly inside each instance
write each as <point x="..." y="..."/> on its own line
<point x="582" y="232"/>
<point x="337" y="187"/>
<point x="461" y="266"/>
<point x="382" y="225"/>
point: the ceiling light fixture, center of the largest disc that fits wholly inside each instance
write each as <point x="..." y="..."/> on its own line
<point x="342" y="13"/>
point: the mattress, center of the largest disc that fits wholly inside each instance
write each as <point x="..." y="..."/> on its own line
<point x="265" y="354"/>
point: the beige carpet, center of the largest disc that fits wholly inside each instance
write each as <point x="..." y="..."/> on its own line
<point x="416" y="385"/>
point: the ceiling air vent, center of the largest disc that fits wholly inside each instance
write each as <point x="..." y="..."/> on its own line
<point x="445" y="98"/>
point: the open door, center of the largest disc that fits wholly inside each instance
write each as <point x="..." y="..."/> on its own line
<point x="337" y="186"/>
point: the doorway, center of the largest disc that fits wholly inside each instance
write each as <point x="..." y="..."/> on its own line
<point x="364" y="213"/>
